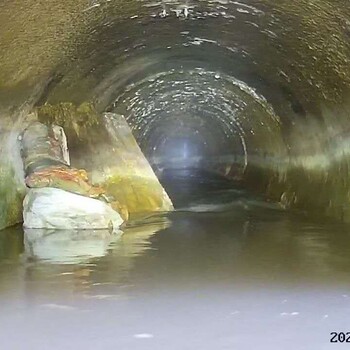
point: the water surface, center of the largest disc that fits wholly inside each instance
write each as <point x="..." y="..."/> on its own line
<point x="225" y="271"/>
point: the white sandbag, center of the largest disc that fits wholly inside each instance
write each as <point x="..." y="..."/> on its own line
<point x="53" y="208"/>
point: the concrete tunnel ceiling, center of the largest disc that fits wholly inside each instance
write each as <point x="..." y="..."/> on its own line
<point x="256" y="90"/>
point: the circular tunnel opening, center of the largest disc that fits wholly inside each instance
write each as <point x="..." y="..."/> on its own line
<point x="240" y="90"/>
<point x="206" y="125"/>
<point x="185" y="119"/>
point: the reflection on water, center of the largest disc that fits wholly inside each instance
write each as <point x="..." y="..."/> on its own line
<point x="244" y="244"/>
<point x="223" y="235"/>
<point x="226" y="262"/>
<point x="67" y="246"/>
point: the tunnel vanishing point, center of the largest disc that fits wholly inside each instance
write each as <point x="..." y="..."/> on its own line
<point x="255" y="90"/>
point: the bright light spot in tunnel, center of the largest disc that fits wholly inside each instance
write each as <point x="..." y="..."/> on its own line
<point x="179" y="152"/>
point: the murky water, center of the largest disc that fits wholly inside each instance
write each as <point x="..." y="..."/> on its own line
<point x="225" y="271"/>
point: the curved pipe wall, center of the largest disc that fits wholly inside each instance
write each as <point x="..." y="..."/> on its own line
<point x="256" y="90"/>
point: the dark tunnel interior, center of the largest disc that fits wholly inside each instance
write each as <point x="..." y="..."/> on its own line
<point x="254" y="91"/>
